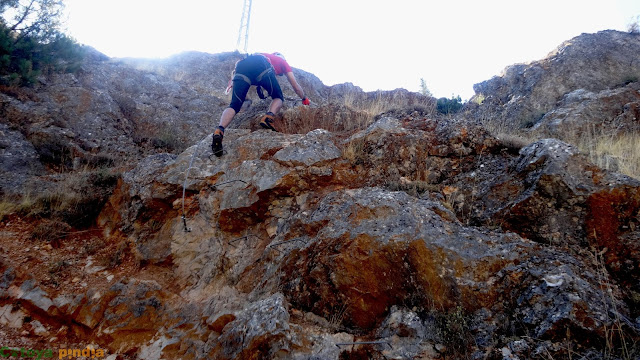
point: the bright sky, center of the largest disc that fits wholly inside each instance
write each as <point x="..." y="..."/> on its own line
<point x="373" y="44"/>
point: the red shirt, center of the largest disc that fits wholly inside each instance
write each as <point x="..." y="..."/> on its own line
<point x="279" y="64"/>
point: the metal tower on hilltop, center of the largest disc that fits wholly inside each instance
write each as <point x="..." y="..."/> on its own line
<point x="243" y="32"/>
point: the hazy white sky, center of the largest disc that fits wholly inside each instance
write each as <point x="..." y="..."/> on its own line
<point x="373" y="44"/>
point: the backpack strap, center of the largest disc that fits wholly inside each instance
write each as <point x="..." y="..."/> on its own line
<point x="258" y="78"/>
<point x="265" y="72"/>
<point x="242" y="77"/>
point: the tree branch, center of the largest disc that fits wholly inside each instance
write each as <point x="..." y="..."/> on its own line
<point x="25" y="14"/>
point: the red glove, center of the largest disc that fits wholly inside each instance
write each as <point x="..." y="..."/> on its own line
<point x="306" y="101"/>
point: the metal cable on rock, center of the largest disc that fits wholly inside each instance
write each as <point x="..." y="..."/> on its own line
<point x="184" y="188"/>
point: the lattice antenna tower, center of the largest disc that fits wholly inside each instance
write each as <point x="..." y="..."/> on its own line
<point x="243" y="32"/>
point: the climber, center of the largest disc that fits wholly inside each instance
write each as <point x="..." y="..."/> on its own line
<point x="258" y="69"/>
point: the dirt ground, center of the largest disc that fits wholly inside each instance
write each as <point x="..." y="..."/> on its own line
<point x="70" y="264"/>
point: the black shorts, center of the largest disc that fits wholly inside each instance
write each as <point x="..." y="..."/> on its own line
<point x="250" y="69"/>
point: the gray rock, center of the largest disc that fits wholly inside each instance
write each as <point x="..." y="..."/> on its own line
<point x="18" y="160"/>
<point x="557" y="295"/>
<point x="324" y="347"/>
<point x="67" y="304"/>
<point x="316" y="147"/>
<point x="549" y="194"/>
<point x="388" y="125"/>
<point x="402" y="323"/>
<point x="142" y="178"/>
<point x="13" y="318"/>
<point x="261" y="328"/>
<point x="613" y="112"/>
<point x="30" y="292"/>
<point x="589" y="62"/>
<point x="380" y="232"/>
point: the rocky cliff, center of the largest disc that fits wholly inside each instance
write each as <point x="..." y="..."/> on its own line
<point x="408" y="235"/>
<point x="120" y="110"/>
<point x="580" y="79"/>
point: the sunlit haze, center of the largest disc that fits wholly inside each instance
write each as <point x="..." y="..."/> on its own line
<point x="375" y="45"/>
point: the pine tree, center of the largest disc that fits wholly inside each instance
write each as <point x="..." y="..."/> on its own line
<point x="31" y="42"/>
<point x="424" y="90"/>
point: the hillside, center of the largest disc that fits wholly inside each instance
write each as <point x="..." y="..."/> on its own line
<point x="370" y="227"/>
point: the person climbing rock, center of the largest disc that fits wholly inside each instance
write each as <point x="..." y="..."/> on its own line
<point x="260" y="70"/>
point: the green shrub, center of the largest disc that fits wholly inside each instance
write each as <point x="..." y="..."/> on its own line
<point x="62" y="54"/>
<point x="449" y="106"/>
<point x="23" y="59"/>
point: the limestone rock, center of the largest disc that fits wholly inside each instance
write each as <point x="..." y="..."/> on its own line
<point x="132" y="307"/>
<point x="555" y="195"/>
<point x="18" y="160"/>
<point x="593" y="62"/>
<point x="261" y="329"/>
<point x="10" y="317"/>
<point x="30" y="292"/>
<point x="350" y="254"/>
<point x="391" y="250"/>
<point x="403" y="323"/>
<point x="614" y="111"/>
<point x="316" y="147"/>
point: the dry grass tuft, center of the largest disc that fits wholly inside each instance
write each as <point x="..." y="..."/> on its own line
<point x="618" y="343"/>
<point x="607" y="148"/>
<point x="618" y="153"/>
<point x="76" y="199"/>
<point x="355" y="152"/>
<point x="332" y="117"/>
<point x="6" y="208"/>
<point x="354" y="110"/>
<point x="50" y="230"/>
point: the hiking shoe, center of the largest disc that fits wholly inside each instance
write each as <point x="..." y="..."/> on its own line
<point x="216" y="144"/>
<point x="267" y="121"/>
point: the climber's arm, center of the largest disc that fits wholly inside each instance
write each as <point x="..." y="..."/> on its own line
<point x="296" y="87"/>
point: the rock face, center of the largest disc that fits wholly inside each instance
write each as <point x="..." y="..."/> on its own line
<point x="552" y="194"/>
<point x="589" y="63"/>
<point x="116" y="111"/>
<point x="411" y="237"/>
<point x="613" y="112"/>
<point x="18" y="159"/>
<point x="106" y="113"/>
<point x="287" y="246"/>
<point x="209" y="73"/>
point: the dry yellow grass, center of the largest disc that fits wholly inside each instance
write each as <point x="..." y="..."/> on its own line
<point x="621" y="152"/>
<point x="355" y="110"/>
<point x="608" y="149"/>
<point x="334" y="118"/>
<point x="354" y="152"/>
<point x="6" y="208"/>
<point x="75" y="198"/>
